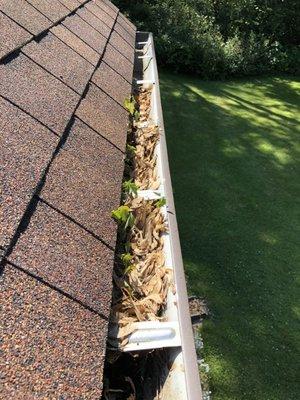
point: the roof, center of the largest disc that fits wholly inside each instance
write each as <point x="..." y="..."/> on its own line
<point x="65" y="68"/>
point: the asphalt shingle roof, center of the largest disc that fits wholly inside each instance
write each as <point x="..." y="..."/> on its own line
<point x="65" y="68"/>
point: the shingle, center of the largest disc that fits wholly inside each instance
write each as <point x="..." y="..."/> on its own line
<point x="118" y="62"/>
<point x="12" y="35"/>
<point x="104" y="115"/>
<point x="126" y="34"/>
<point x="110" y="4"/>
<point x="26" y="149"/>
<point x="37" y="92"/>
<point x="84" y="190"/>
<point x="127" y="24"/>
<point x="64" y="255"/>
<point x="95" y="22"/>
<point x="70" y="4"/>
<point x="51" y="347"/>
<point x="59" y="59"/>
<point x="26" y="15"/>
<point x="83" y="30"/>
<point x="109" y="10"/>
<point x="104" y="76"/>
<point x="122" y="46"/>
<point x="93" y="150"/>
<point x="53" y="9"/>
<point x="76" y="43"/>
<point x="99" y="13"/>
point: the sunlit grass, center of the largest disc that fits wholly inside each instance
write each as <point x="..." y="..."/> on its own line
<point x="234" y="152"/>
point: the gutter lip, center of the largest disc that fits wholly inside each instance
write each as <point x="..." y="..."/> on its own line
<point x="191" y="371"/>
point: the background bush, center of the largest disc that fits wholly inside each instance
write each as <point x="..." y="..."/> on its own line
<point x="220" y="38"/>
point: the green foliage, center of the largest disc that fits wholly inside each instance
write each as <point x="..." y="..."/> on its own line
<point x="127" y="262"/>
<point x="130" y="105"/>
<point x="123" y="216"/>
<point x="220" y="38"/>
<point x="130" y="150"/>
<point x="126" y="259"/>
<point x="161" y="202"/>
<point x="130" y="187"/>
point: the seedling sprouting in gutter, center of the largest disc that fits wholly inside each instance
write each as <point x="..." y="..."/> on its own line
<point x="161" y="202"/>
<point x="127" y="262"/>
<point x="131" y="106"/>
<point x="130" y="188"/>
<point x="123" y="216"/>
<point x="130" y="150"/>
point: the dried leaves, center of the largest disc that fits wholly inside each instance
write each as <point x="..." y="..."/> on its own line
<point x="144" y="161"/>
<point x="146" y="137"/>
<point x="144" y="286"/>
<point x="141" y="277"/>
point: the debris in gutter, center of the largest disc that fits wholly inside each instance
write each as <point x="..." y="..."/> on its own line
<point x="141" y="279"/>
<point x="142" y="140"/>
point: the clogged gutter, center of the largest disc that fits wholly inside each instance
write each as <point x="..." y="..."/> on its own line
<point x="141" y="279"/>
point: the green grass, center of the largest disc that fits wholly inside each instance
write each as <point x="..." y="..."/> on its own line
<point x="234" y="155"/>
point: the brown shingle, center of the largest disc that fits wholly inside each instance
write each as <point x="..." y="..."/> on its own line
<point x="99" y="13"/>
<point x="59" y="59"/>
<point x="93" y="150"/>
<point x="126" y="33"/>
<point x="110" y="4"/>
<point x="103" y="77"/>
<point x="128" y="25"/>
<point x="122" y="46"/>
<point x="70" y="4"/>
<point x="109" y="10"/>
<point x="76" y="43"/>
<point x="26" y="149"/>
<point x="26" y="15"/>
<point x="51" y="347"/>
<point x="64" y="255"/>
<point x="84" y="182"/>
<point x="12" y="35"/>
<point x="37" y="92"/>
<point x="53" y="9"/>
<point x="88" y="34"/>
<point x="104" y="115"/>
<point x="118" y="62"/>
<point x="91" y="19"/>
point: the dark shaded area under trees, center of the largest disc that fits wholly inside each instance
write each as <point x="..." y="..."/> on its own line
<point x="221" y="38"/>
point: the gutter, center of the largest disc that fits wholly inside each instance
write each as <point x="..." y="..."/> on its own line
<point x="174" y="334"/>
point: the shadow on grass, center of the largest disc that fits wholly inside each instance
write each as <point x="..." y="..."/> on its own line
<point x="234" y="154"/>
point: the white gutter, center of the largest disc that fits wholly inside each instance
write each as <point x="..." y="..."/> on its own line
<point x="176" y="334"/>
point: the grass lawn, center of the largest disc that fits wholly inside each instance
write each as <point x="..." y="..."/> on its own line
<point x="234" y="152"/>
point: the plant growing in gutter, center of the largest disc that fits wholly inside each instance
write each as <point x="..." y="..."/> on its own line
<point x="131" y="106"/>
<point x="141" y="278"/>
<point x="130" y="188"/>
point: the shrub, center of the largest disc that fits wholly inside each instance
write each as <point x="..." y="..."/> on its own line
<point x="219" y="38"/>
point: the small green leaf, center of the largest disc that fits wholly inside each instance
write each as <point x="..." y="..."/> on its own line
<point x="130" y="268"/>
<point x="130" y="150"/>
<point x="136" y="116"/>
<point x="127" y="247"/>
<point x="130" y="187"/>
<point x="161" y="202"/>
<point x="121" y="214"/>
<point x="124" y="217"/>
<point x="130" y="105"/>
<point x="126" y="259"/>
